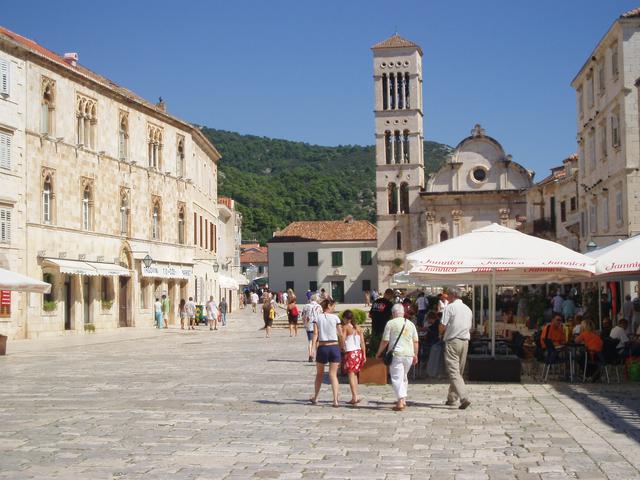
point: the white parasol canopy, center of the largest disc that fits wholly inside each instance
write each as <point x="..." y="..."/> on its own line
<point x="498" y="254"/>
<point x="620" y="259"/>
<point x="17" y="282"/>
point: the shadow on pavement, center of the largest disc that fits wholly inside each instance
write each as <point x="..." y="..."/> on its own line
<point x="616" y="405"/>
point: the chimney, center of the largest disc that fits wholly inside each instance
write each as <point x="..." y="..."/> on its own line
<point x="71" y="58"/>
<point x="161" y="105"/>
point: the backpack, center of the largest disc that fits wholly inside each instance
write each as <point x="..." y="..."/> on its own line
<point x="636" y="304"/>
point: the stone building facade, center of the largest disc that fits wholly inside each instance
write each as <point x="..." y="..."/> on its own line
<point x="608" y="135"/>
<point x="100" y="179"/>
<point x="339" y="256"/>
<point x="478" y="185"/>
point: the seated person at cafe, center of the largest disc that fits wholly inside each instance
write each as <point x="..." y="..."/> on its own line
<point x="577" y="322"/>
<point x="589" y="338"/>
<point x="606" y="327"/>
<point x="553" y="331"/>
<point x="619" y="332"/>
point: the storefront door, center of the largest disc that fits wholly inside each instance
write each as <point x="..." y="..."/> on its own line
<point x="337" y="291"/>
<point x="123" y="302"/>
<point x="86" y="299"/>
<point x="66" y="295"/>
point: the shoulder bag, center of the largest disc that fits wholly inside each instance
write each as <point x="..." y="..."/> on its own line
<point x="388" y="356"/>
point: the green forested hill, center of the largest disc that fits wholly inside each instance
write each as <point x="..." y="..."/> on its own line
<point x="276" y="182"/>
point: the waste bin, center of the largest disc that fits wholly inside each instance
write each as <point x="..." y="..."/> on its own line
<point x="3" y="344"/>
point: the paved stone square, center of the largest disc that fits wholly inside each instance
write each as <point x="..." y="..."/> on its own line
<point x="231" y="404"/>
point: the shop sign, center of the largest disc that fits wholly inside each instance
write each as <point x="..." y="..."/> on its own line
<point x="166" y="271"/>
<point x="5" y="298"/>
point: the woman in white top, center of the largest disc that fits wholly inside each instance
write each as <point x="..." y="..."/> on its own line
<point x="327" y="338"/>
<point x="355" y="354"/>
<point x="405" y="352"/>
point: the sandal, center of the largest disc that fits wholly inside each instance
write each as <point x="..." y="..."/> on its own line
<point x="313" y="401"/>
<point x="397" y="408"/>
<point x="351" y="402"/>
<point x="335" y="405"/>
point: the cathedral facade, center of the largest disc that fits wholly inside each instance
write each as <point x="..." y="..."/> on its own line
<point x="479" y="184"/>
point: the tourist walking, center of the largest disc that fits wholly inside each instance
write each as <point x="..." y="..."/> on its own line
<point x="212" y="314"/>
<point x="254" y="301"/>
<point x="402" y="335"/>
<point x="456" y="324"/>
<point x="367" y="298"/>
<point x="190" y="309"/>
<point x="380" y="312"/>
<point x="292" y="314"/>
<point x="182" y="312"/>
<point x="355" y="355"/>
<point x="327" y="338"/>
<point x="166" y="306"/>
<point x="223" y="311"/>
<point x="268" y="313"/>
<point x="157" y="309"/>
<point x="310" y="314"/>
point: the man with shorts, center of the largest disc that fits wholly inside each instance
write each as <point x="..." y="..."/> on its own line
<point x="190" y="309"/>
<point x="310" y="313"/>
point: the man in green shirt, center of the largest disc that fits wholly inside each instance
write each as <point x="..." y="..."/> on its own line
<point x="166" y="305"/>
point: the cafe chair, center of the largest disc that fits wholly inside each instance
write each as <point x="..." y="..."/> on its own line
<point x="597" y="360"/>
<point x="552" y="357"/>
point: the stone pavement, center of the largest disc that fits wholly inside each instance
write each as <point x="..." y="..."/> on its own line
<point x="231" y="404"/>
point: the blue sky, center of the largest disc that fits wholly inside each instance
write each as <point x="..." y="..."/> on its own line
<point x="302" y="70"/>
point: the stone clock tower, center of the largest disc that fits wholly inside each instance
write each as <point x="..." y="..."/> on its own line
<point x="397" y="67"/>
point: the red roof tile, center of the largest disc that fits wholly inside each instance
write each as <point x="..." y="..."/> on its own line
<point x="327" y="231"/>
<point x="396" y="41"/>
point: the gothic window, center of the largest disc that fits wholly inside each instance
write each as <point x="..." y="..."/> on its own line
<point x="124" y="212"/>
<point x="123" y="136"/>
<point x="388" y="152"/>
<point x="155" y="147"/>
<point x="86" y="129"/>
<point x="385" y="92"/>
<point x="397" y="146"/>
<point x="404" y="197"/>
<point x="181" y="225"/>
<point x="47" y="200"/>
<point x="398" y="240"/>
<point x="615" y="130"/>
<point x="405" y="146"/>
<point x="406" y="90"/>
<point x="87" y="206"/>
<point x="48" y="107"/>
<point x="180" y="167"/>
<point x="444" y="235"/>
<point x="392" y="91"/>
<point x="400" y="81"/>
<point x="392" y="198"/>
<point x="155" y="220"/>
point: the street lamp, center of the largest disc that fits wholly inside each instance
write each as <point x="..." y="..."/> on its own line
<point x="591" y="246"/>
<point x="216" y="266"/>
<point x="147" y="260"/>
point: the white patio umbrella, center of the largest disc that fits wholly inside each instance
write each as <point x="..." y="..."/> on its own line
<point x="497" y="254"/>
<point x="17" y="282"/>
<point x="619" y="259"/>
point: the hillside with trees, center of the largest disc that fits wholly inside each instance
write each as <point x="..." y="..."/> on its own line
<point x="275" y="182"/>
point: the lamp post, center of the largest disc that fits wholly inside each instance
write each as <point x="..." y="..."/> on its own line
<point x="147" y="261"/>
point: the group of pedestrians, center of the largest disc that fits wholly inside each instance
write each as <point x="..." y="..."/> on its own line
<point x="187" y="309"/>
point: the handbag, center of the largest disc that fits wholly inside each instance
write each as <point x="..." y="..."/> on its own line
<point x="388" y="356"/>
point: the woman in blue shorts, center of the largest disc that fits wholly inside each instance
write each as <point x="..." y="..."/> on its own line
<point x="327" y="339"/>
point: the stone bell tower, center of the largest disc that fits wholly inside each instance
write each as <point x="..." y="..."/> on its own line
<point x="397" y="67"/>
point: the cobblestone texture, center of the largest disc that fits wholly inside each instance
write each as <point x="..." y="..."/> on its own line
<point x="231" y="404"/>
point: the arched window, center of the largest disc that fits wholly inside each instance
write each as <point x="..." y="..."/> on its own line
<point x="181" y="226"/>
<point x="397" y="147"/>
<point x="392" y="197"/>
<point x="400" y="81"/>
<point x="404" y="197"/>
<point x="398" y="240"/>
<point x="47" y="196"/>
<point x="123" y="137"/>
<point x="180" y="167"/>
<point x="155" y="147"/>
<point x="385" y="92"/>
<point x="406" y="90"/>
<point x="80" y="116"/>
<point x="405" y="146"/>
<point x="48" y="106"/>
<point x="93" y="122"/>
<point x="124" y="214"/>
<point x="388" y="151"/>
<point x="444" y="235"/>
<point x="155" y="220"/>
<point x="392" y="91"/>
<point x="87" y="205"/>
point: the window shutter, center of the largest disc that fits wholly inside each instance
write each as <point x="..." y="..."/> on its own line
<point x="5" y="225"/>
<point x="5" y="151"/>
<point x="4" y="77"/>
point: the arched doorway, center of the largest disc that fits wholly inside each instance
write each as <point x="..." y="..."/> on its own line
<point x="124" y="288"/>
<point x="444" y="235"/>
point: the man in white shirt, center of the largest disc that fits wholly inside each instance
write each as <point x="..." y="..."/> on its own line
<point x="190" y="309"/>
<point x="310" y="313"/>
<point x="619" y="332"/>
<point x="212" y="313"/>
<point x="455" y="327"/>
<point x="254" y="301"/>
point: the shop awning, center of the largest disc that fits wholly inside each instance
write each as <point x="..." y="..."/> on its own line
<point x="21" y="283"/>
<point x="227" y="282"/>
<point x="72" y="267"/>
<point x="110" y="269"/>
<point x="157" y="270"/>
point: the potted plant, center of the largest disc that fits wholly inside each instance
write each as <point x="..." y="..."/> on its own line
<point x="89" y="327"/>
<point x="49" y="305"/>
<point x="107" y="304"/>
<point x="374" y="370"/>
